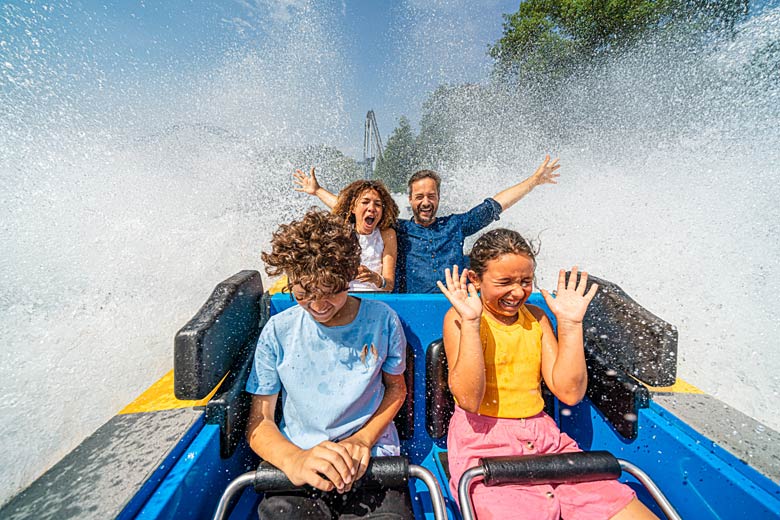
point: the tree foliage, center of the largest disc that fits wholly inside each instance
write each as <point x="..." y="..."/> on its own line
<point x="435" y="144"/>
<point x="333" y="167"/>
<point x="399" y="159"/>
<point x="550" y="38"/>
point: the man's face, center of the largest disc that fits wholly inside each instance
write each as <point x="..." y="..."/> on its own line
<point x="424" y="199"/>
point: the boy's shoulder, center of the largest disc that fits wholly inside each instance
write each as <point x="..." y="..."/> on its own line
<point x="376" y="308"/>
<point x="286" y="318"/>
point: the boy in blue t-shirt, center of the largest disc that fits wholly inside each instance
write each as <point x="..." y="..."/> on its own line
<point x="337" y="361"/>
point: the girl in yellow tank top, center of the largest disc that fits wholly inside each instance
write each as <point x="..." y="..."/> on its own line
<point x="513" y="360"/>
<point x="498" y="350"/>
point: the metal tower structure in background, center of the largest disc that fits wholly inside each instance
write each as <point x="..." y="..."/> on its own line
<point x="372" y="145"/>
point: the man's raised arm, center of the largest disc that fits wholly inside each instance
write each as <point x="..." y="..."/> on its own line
<point x="544" y="174"/>
<point x="308" y="184"/>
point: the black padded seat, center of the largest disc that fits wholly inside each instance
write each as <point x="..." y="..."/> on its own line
<point x="615" y="394"/>
<point x="439" y="403"/>
<point x="404" y="419"/>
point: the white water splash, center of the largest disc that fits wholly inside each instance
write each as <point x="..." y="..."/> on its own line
<point x="125" y="198"/>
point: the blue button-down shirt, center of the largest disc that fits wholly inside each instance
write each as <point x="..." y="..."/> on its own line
<point x="424" y="252"/>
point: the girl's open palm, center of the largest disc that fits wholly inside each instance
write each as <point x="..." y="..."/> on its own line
<point x="461" y="294"/>
<point x="570" y="302"/>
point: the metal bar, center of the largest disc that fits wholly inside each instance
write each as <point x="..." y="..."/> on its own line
<point x="419" y="472"/>
<point x="233" y="488"/>
<point x="478" y="472"/>
<point x="437" y="499"/>
<point x="464" y="497"/>
<point x="654" y="490"/>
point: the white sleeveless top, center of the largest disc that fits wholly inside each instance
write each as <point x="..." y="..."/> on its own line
<point x="373" y="246"/>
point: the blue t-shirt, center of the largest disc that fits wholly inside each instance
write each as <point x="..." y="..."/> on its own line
<point x="424" y="252"/>
<point x="330" y="378"/>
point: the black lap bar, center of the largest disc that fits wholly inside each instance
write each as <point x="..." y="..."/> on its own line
<point x="551" y="469"/>
<point x="382" y="472"/>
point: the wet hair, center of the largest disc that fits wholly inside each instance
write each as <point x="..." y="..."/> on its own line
<point x="425" y="174"/>
<point x="349" y="196"/>
<point x="496" y="243"/>
<point x="318" y="252"/>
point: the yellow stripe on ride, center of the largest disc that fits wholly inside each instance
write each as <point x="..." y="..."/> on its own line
<point x="279" y="285"/>
<point x="679" y="387"/>
<point x="160" y="396"/>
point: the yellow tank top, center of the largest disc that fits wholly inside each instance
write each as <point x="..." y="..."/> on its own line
<point x="513" y="366"/>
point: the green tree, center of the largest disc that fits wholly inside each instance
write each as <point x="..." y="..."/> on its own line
<point x="333" y="167"/>
<point x="435" y="144"/>
<point x="399" y="159"/>
<point x="548" y="39"/>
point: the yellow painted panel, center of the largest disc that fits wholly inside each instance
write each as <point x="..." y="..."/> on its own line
<point x="680" y="387"/>
<point x="279" y="285"/>
<point x="160" y="396"/>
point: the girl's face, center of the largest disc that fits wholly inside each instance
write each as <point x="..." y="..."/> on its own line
<point x="505" y="285"/>
<point x="367" y="209"/>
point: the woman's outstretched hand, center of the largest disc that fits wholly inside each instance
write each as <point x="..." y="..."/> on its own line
<point x="570" y="302"/>
<point x="462" y="294"/>
<point x="306" y="183"/>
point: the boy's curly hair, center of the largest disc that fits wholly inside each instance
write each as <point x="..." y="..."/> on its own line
<point x="318" y="252"/>
<point x="349" y="195"/>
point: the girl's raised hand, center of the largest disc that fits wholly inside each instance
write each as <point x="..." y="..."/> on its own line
<point x="306" y="183"/>
<point x="462" y="294"/>
<point x="570" y="302"/>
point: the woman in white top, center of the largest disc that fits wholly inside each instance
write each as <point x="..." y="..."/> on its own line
<point x="368" y="206"/>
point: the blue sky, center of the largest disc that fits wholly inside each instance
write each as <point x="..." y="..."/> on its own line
<point x="391" y="53"/>
<point x="395" y="52"/>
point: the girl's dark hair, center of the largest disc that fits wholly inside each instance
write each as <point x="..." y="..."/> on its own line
<point x="349" y="195"/>
<point x="319" y="252"/>
<point x="495" y="243"/>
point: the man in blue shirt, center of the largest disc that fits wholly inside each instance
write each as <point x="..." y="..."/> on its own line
<point x="428" y="244"/>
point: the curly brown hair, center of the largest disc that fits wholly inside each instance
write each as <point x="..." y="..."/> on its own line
<point x="318" y="252"/>
<point x="349" y="195"/>
<point x="496" y="243"/>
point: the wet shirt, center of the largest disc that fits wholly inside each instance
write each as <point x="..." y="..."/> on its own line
<point x="424" y="252"/>
<point x="330" y="378"/>
<point x="513" y="366"/>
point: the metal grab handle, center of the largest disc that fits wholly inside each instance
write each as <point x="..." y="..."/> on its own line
<point x="378" y="469"/>
<point x="557" y="468"/>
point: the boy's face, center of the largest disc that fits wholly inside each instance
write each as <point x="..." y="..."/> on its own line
<point x="324" y="309"/>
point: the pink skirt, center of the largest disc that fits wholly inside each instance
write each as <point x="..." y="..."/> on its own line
<point x="473" y="436"/>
